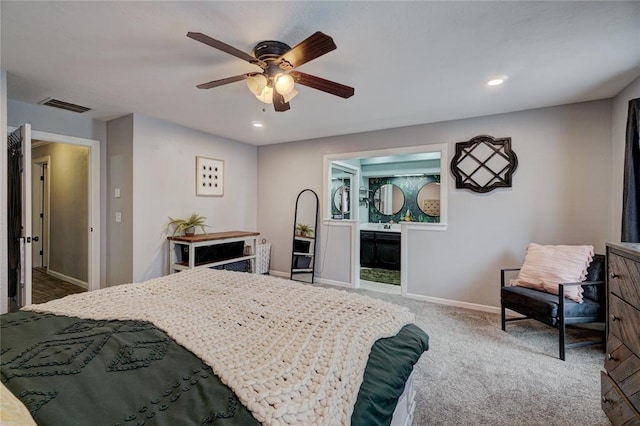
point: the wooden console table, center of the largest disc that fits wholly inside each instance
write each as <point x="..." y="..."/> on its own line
<point x="177" y="264"/>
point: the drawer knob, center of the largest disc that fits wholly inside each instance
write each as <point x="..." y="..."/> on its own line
<point x="614" y="318"/>
<point x="611" y="358"/>
<point x="613" y="275"/>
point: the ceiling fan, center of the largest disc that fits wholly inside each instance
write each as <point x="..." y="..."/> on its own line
<point x="276" y="83"/>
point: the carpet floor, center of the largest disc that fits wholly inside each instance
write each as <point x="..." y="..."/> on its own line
<point x="380" y="275"/>
<point x="476" y="374"/>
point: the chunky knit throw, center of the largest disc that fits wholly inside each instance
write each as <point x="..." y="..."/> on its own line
<point x="292" y="353"/>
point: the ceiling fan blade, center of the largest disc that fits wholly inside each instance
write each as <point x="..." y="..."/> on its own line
<point x="322" y="84"/>
<point x="313" y="46"/>
<point x="278" y="102"/>
<point x="217" y="44"/>
<point x="223" y="81"/>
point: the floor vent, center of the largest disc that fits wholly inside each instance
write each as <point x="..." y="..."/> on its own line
<point x="56" y="103"/>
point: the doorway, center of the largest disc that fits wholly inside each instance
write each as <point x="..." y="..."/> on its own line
<point x="90" y="208"/>
<point x="59" y="227"/>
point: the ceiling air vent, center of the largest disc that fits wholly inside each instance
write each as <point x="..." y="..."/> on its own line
<point x="56" y="103"/>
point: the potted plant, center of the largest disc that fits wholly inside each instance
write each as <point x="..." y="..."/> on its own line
<point x="304" y="230"/>
<point x="187" y="226"/>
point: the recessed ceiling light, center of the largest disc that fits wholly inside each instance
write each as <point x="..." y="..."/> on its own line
<point x="497" y="81"/>
<point x="256" y="124"/>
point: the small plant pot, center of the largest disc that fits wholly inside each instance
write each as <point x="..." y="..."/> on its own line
<point x="190" y="232"/>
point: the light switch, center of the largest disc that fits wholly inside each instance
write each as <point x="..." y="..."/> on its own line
<point x="117" y="193"/>
<point x="118" y="217"/>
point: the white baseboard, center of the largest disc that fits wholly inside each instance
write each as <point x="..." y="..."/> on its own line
<point x="456" y="303"/>
<point x="279" y="274"/>
<point x="68" y="279"/>
<point x="316" y="279"/>
<point x="436" y="300"/>
<point x="332" y="282"/>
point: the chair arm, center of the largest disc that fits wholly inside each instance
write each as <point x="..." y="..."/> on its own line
<point x="502" y="271"/>
<point x="561" y="293"/>
<point x="582" y="283"/>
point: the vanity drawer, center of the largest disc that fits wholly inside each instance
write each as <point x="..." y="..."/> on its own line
<point x="615" y="405"/>
<point x="623" y="367"/>
<point x="624" y="323"/>
<point x="624" y="279"/>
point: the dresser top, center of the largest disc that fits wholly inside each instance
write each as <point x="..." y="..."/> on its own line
<point x="632" y="249"/>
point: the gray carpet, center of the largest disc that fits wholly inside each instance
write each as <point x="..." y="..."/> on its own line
<point x="476" y="374"/>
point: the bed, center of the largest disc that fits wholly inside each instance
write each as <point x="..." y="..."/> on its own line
<point x="212" y="347"/>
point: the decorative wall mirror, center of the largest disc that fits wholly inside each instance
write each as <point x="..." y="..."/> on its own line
<point x="388" y="199"/>
<point x="304" y="236"/>
<point x="428" y="199"/>
<point x="342" y="199"/>
<point x="484" y="163"/>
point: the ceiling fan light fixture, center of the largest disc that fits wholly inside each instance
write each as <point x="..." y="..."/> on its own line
<point x="292" y="94"/>
<point x="266" y="96"/>
<point x="284" y="84"/>
<point x="257" y="83"/>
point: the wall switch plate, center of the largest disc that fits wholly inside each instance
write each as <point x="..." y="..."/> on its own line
<point x="117" y="193"/>
<point x="118" y="217"/>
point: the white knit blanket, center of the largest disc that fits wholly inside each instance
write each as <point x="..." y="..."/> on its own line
<point x="292" y="353"/>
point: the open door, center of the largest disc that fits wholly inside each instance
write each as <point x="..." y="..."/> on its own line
<point x="19" y="216"/>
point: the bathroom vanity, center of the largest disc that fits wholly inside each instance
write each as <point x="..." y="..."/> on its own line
<point x="380" y="248"/>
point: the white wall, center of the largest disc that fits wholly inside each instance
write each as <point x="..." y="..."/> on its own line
<point x="618" y="139"/>
<point x="164" y="157"/>
<point x="560" y="195"/>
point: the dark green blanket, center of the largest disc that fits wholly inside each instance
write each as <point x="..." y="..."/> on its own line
<point x="69" y="371"/>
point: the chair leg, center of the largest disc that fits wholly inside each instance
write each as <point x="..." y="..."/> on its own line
<point x="561" y="326"/>
<point x="562" y="330"/>
<point x="504" y="322"/>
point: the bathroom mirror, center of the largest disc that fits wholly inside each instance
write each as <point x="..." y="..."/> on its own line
<point x="428" y="199"/>
<point x="304" y="236"/>
<point x="388" y="199"/>
<point x="342" y="199"/>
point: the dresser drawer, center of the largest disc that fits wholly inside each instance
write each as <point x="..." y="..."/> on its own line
<point x="624" y="323"/>
<point x="624" y="279"/>
<point x="615" y="406"/>
<point x="623" y="367"/>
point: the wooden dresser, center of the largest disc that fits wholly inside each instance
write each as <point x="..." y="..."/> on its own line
<point x="621" y="378"/>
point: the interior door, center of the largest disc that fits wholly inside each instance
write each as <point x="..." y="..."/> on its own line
<point x="22" y="136"/>
<point x="37" y="214"/>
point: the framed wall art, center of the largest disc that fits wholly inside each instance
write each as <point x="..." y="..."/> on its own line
<point x="209" y="177"/>
<point x="484" y="163"/>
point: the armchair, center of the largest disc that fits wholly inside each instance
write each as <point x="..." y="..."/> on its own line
<point x="557" y="310"/>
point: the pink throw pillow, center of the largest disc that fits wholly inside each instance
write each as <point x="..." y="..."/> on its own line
<point x="546" y="266"/>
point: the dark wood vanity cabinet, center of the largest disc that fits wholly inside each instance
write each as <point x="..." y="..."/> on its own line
<point x="380" y="250"/>
<point x="367" y="249"/>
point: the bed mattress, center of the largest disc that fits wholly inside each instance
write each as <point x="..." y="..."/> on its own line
<point x="71" y="370"/>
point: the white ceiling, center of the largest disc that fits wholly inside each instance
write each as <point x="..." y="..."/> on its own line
<point x="410" y="62"/>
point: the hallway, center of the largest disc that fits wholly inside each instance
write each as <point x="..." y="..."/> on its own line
<point x="46" y="288"/>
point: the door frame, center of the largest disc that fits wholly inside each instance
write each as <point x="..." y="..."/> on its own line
<point x="45" y="206"/>
<point x="93" y="198"/>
